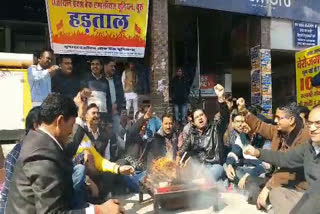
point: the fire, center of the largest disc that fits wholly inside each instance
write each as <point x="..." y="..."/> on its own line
<point x="165" y="167"/>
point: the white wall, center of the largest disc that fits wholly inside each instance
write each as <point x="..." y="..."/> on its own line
<point x="282" y="35"/>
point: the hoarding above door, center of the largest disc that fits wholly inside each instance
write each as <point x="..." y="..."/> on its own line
<point x="302" y="10"/>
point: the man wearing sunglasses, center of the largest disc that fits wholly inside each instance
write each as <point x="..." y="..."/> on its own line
<point x="285" y="200"/>
<point x="287" y="133"/>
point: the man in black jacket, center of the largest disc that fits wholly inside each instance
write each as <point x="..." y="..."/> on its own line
<point x="205" y="141"/>
<point x="285" y="200"/>
<point x="42" y="181"/>
<point x="179" y="91"/>
<point x="66" y="81"/>
<point x="165" y="141"/>
<point x="136" y="151"/>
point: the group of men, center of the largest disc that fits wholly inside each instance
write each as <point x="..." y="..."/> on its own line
<point x="72" y="157"/>
<point x="110" y="91"/>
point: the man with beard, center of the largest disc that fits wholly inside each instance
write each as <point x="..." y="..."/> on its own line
<point x="165" y="141"/>
<point x="205" y="142"/>
<point x="286" y="135"/>
<point x="39" y="77"/>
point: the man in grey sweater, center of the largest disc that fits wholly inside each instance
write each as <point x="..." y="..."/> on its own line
<point x="285" y="200"/>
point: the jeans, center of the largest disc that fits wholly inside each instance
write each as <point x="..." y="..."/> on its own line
<point x="78" y="200"/>
<point x="180" y="112"/>
<point x="154" y="125"/>
<point x="216" y="171"/>
<point x="116" y="124"/>
<point x="133" y="182"/>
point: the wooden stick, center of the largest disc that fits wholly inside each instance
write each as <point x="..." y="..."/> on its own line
<point x="186" y="162"/>
<point x="183" y="156"/>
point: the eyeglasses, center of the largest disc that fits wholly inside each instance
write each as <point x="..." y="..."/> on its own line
<point x="314" y="123"/>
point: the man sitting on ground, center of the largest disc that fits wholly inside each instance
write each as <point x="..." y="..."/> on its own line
<point x="165" y="141"/>
<point x="239" y="166"/>
<point x="42" y="180"/>
<point x="205" y="141"/>
<point x="289" y="200"/>
<point x="287" y="134"/>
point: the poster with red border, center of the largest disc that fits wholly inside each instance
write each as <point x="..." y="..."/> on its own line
<point x="207" y="83"/>
<point x="98" y="27"/>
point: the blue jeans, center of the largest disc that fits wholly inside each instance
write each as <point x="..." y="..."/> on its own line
<point x="78" y="200"/>
<point x="180" y="112"/>
<point x="116" y="124"/>
<point x="154" y="125"/>
<point x="216" y="171"/>
<point x="133" y="182"/>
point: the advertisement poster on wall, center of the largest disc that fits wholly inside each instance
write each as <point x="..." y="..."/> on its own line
<point x="261" y="80"/>
<point x="255" y="76"/>
<point x="266" y="81"/>
<point x="307" y="66"/>
<point x="207" y="83"/>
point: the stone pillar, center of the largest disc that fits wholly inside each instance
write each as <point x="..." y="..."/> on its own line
<point x="159" y="54"/>
<point x="265" y="33"/>
<point x="260" y="38"/>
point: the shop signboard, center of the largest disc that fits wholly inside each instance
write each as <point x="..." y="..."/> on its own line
<point x="307" y="66"/>
<point x="305" y="34"/>
<point x="302" y="10"/>
<point x="207" y="82"/>
<point x="98" y="27"/>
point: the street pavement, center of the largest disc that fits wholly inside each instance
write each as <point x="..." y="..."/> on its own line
<point x="230" y="203"/>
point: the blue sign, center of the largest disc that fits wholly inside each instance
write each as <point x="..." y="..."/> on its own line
<point x="306" y="34"/>
<point x="302" y="10"/>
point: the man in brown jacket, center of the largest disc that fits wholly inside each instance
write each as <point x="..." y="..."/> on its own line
<point x="286" y="134"/>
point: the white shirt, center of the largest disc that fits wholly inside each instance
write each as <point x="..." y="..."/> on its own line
<point x="95" y="134"/>
<point x="130" y="95"/>
<point x="55" y="140"/>
<point x="40" y="83"/>
<point x="112" y="90"/>
<point x="316" y="148"/>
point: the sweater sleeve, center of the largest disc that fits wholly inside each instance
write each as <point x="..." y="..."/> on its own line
<point x="264" y="129"/>
<point x="291" y="159"/>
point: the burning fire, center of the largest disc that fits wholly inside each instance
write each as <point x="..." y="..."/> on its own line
<point x="165" y="167"/>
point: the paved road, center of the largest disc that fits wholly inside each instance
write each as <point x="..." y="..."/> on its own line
<point x="230" y="203"/>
